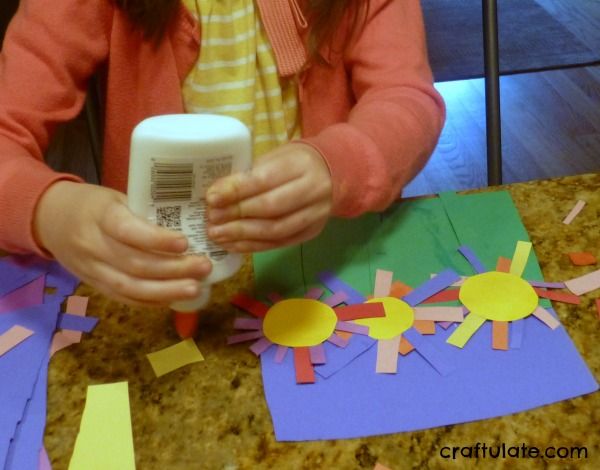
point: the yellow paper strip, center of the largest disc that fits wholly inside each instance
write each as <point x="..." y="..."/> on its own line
<point x="466" y="329"/>
<point x="105" y="441"/>
<point x="519" y="259"/>
<point x="387" y="355"/>
<point x="176" y="356"/>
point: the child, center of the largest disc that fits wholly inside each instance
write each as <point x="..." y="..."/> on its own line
<point x="338" y="94"/>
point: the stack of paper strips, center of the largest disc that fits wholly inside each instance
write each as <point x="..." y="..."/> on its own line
<point x="472" y="334"/>
<point x="29" y="316"/>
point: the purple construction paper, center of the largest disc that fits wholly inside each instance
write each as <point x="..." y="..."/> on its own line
<point x="515" y="334"/>
<point x="429" y="352"/>
<point x="352" y="327"/>
<point x="336" y="299"/>
<point x="248" y="323"/>
<point x="26" y="296"/>
<point x="548" y="285"/>
<point x="431" y="287"/>
<point x="19" y="367"/>
<point x="24" y="450"/>
<point x="348" y="404"/>
<point x="68" y="321"/>
<point x="338" y="358"/>
<point x="335" y="284"/>
<point x="472" y="258"/>
<point x="16" y="272"/>
<point x="317" y="354"/>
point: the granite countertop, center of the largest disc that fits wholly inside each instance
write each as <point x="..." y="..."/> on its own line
<point x="213" y="414"/>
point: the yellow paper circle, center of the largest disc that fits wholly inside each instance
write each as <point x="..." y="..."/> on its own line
<point x="399" y="317"/>
<point x="299" y="322"/>
<point x="498" y="296"/>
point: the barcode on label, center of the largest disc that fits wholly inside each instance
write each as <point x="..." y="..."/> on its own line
<point x="168" y="216"/>
<point x="172" y="181"/>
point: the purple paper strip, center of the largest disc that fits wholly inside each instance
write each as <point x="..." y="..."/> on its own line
<point x="336" y="299"/>
<point x="338" y="341"/>
<point x="248" y="323"/>
<point x="431" y="287"/>
<point x="472" y="258"/>
<point x="352" y="327"/>
<point x="44" y="460"/>
<point x="27" y="296"/>
<point x="516" y="332"/>
<point x="317" y="354"/>
<point x="242" y="337"/>
<point x="334" y="284"/>
<point x="280" y="354"/>
<point x="429" y="352"/>
<point x="548" y="285"/>
<point x="314" y="293"/>
<point x="260" y="346"/>
<point x="67" y="321"/>
<point x="338" y="358"/>
<point x="446" y="324"/>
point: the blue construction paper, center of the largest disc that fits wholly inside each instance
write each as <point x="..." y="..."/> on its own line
<point x="67" y="321"/>
<point x="20" y="366"/>
<point x="61" y="279"/>
<point x="17" y="271"/>
<point x="24" y="451"/>
<point x="338" y="358"/>
<point x="413" y="240"/>
<point x="435" y="356"/>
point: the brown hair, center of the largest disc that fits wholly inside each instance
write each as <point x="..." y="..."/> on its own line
<point x="153" y="16"/>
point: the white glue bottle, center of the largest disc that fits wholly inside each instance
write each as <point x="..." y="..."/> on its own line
<point x="174" y="159"/>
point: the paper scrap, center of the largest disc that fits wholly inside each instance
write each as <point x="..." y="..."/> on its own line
<point x="520" y="257"/>
<point x="387" y="355"/>
<point x="584" y="284"/>
<point x="105" y="440"/>
<point x="176" y="356"/>
<point x="574" y="212"/>
<point x="500" y="335"/>
<point x="14" y="336"/>
<point x="582" y="258"/>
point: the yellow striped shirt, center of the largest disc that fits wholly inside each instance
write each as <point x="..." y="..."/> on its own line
<point x="236" y="74"/>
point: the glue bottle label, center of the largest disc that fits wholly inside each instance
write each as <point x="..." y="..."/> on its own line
<point x="178" y="198"/>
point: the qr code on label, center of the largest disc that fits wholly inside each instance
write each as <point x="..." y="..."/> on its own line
<point x="168" y="216"/>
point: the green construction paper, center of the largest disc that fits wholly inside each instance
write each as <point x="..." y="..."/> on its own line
<point x="279" y="271"/>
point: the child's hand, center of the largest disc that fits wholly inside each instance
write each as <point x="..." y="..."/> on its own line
<point x="285" y="199"/>
<point x="90" y="230"/>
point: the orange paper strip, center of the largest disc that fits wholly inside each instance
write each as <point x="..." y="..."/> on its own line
<point x="443" y="296"/>
<point x="358" y="311"/>
<point x="500" y="335"/>
<point x="425" y="327"/>
<point x="399" y="289"/>
<point x="250" y="305"/>
<point x="503" y="264"/>
<point x="557" y="296"/>
<point x="405" y="346"/>
<point x="582" y="258"/>
<point x="305" y="374"/>
<point x="345" y="335"/>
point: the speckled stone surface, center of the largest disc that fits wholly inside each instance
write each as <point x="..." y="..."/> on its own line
<point x="213" y="415"/>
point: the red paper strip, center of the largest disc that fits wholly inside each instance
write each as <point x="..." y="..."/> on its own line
<point x="357" y="311"/>
<point x="558" y="296"/>
<point x="250" y="305"/>
<point x="503" y="264"/>
<point x="447" y="295"/>
<point x="500" y="335"/>
<point x="305" y="374"/>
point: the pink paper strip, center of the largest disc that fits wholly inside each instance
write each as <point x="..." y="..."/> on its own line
<point x="449" y="314"/>
<point x="546" y="317"/>
<point x="584" y="284"/>
<point x="260" y="346"/>
<point x="77" y="305"/>
<point x="44" y="460"/>
<point x="280" y="354"/>
<point x="27" y="296"/>
<point x="576" y="210"/>
<point x="338" y="341"/>
<point x="352" y="327"/>
<point x="383" y="283"/>
<point x="446" y="324"/>
<point x="244" y="337"/>
<point x="387" y="355"/>
<point x="61" y="340"/>
<point x="314" y="293"/>
<point x="248" y="323"/>
<point x="12" y="337"/>
<point x="336" y="299"/>
<point x="317" y="354"/>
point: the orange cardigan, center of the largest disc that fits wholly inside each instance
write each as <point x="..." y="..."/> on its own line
<point x="372" y="113"/>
